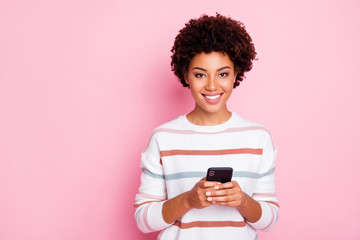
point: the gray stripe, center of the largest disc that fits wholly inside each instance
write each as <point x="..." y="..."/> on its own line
<point x="154" y="175"/>
<point x="239" y="174"/>
<point x="185" y="175"/>
<point x="252" y="174"/>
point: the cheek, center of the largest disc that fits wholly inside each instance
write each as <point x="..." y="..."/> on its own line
<point x="229" y="93"/>
<point x="228" y="86"/>
<point x="193" y="90"/>
<point x="196" y="84"/>
<point x="229" y="90"/>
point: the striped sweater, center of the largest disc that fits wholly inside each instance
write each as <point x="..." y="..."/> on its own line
<point x="179" y="154"/>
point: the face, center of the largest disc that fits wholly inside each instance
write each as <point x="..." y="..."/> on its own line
<point x="211" y="79"/>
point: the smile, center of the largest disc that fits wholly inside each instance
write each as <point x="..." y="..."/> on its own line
<point x="212" y="97"/>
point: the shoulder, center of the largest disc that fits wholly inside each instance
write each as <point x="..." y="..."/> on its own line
<point x="177" y="123"/>
<point x="241" y="122"/>
<point x="153" y="144"/>
<point x="255" y="129"/>
<point x="173" y="126"/>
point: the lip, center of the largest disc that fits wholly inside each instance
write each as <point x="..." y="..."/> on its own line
<point x="212" y="101"/>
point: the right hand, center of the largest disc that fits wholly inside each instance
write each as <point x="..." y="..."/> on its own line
<point x="196" y="197"/>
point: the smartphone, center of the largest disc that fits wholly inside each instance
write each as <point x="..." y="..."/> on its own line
<point x="219" y="174"/>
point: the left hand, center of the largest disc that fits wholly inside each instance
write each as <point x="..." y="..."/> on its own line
<point x="227" y="194"/>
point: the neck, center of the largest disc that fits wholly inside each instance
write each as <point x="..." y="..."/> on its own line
<point x="200" y="117"/>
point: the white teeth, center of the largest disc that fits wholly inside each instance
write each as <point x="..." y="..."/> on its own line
<point x="213" y="97"/>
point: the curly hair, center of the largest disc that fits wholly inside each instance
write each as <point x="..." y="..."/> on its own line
<point x="213" y="33"/>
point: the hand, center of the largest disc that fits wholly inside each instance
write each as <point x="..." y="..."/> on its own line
<point x="227" y="194"/>
<point x="196" y="197"/>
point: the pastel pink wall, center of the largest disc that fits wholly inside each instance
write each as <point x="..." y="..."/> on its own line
<point x="83" y="83"/>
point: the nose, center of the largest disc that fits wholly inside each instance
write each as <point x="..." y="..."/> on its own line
<point x="211" y="84"/>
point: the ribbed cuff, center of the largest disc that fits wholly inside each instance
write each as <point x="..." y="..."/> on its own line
<point x="156" y="221"/>
<point x="266" y="219"/>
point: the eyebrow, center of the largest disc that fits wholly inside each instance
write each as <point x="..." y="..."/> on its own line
<point x="220" y="69"/>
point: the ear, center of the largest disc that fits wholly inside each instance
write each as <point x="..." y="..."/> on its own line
<point x="186" y="78"/>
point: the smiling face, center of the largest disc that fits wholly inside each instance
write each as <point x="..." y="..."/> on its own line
<point x="211" y="80"/>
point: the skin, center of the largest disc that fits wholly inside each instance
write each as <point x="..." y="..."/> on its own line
<point x="211" y="73"/>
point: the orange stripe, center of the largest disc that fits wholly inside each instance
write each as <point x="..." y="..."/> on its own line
<point x="257" y="151"/>
<point x="229" y="130"/>
<point x="139" y="204"/>
<point x="275" y="203"/>
<point x="212" y="224"/>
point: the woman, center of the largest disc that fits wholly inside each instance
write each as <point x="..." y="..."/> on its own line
<point x="210" y="56"/>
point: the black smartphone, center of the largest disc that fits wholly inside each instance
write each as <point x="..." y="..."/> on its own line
<point x="219" y="174"/>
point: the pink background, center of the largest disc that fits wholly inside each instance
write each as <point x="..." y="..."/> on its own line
<point x="83" y="83"/>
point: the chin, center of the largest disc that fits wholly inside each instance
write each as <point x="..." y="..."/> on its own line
<point x="212" y="110"/>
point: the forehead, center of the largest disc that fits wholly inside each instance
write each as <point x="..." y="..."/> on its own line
<point x="211" y="61"/>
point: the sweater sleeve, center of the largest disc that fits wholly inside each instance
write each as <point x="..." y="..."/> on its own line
<point x="264" y="191"/>
<point x="152" y="192"/>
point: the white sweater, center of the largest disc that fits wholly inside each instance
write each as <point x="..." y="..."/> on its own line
<point x="178" y="156"/>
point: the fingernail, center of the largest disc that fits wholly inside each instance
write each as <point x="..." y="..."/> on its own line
<point x="213" y="202"/>
<point x="209" y="199"/>
<point x="216" y="187"/>
<point x="208" y="193"/>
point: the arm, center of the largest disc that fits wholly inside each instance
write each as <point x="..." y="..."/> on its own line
<point x="261" y="209"/>
<point x="230" y="194"/>
<point x="152" y="191"/>
<point x="265" y="191"/>
<point x="251" y="209"/>
<point x="176" y="207"/>
<point x="153" y="211"/>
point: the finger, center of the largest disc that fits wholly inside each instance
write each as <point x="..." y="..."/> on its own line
<point x="223" y="192"/>
<point x="225" y="199"/>
<point x="231" y="184"/>
<point x="204" y="184"/>
<point x="229" y="204"/>
<point x="209" y="184"/>
<point x="211" y="192"/>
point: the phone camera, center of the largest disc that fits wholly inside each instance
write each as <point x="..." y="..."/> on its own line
<point x="211" y="173"/>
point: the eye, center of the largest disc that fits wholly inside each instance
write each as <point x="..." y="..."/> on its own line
<point x="199" y="75"/>
<point x="224" y="74"/>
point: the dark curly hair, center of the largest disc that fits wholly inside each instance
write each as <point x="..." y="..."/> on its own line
<point x="213" y="33"/>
